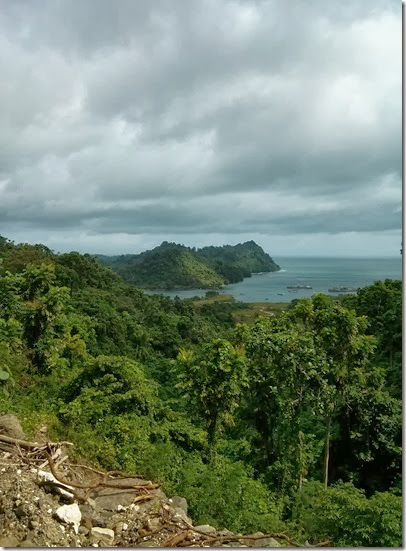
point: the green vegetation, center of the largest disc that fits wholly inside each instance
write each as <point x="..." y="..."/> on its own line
<point x="289" y="422"/>
<point x="172" y="266"/>
<point x="250" y="312"/>
<point x="234" y="263"/>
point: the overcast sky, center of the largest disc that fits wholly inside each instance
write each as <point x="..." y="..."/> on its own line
<point x="127" y="122"/>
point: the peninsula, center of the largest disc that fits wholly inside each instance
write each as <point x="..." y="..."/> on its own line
<point x="174" y="266"/>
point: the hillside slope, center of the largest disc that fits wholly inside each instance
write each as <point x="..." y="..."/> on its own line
<point x="168" y="266"/>
<point x="238" y="261"/>
<point x="173" y="266"/>
<point x="42" y="509"/>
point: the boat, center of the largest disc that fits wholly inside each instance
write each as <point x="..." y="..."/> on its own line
<point x="280" y="294"/>
<point x="299" y="287"/>
<point x="342" y="290"/>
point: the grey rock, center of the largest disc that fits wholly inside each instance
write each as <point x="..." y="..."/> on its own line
<point x="27" y="543"/>
<point x="152" y="507"/>
<point x="154" y="524"/>
<point x="180" y="502"/>
<point x="109" y="499"/>
<point x="91" y="502"/>
<point x="120" y="526"/>
<point x="91" y="517"/>
<point x="86" y="522"/>
<point x="20" y="512"/>
<point x="70" y="514"/>
<point x="205" y="529"/>
<point x="85" y="509"/>
<point x="180" y="513"/>
<point x="8" y="541"/>
<point x="105" y="535"/>
<point x="225" y="532"/>
<point x="111" y="502"/>
<point x="10" y="426"/>
<point x="267" y="542"/>
<point x="160" y="493"/>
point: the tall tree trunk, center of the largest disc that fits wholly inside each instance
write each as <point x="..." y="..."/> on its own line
<point x="301" y="462"/>
<point x="327" y="451"/>
<point x="212" y="439"/>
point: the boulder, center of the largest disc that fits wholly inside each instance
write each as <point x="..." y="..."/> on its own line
<point x="180" y="502"/>
<point x="104" y="535"/>
<point x="225" y="532"/>
<point x="115" y="500"/>
<point x="8" y="541"/>
<point x="120" y="527"/>
<point x="109" y="499"/>
<point x="180" y="514"/>
<point x="205" y="529"/>
<point x="267" y="542"/>
<point x="10" y="426"/>
<point x="70" y="514"/>
<point x="27" y="543"/>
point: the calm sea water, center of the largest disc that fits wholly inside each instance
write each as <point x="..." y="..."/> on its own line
<point x="320" y="273"/>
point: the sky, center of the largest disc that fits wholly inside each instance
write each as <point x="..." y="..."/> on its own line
<point x="126" y="123"/>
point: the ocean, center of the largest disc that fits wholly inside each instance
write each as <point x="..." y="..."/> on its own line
<point x="319" y="273"/>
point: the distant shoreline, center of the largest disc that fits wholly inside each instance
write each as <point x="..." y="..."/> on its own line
<point x="319" y="273"/>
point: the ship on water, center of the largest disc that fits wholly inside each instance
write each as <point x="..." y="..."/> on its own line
<point x="299" y="287"/>
<point x="342" y="290"/>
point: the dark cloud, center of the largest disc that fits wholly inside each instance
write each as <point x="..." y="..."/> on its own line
<point x="200" y="117"/>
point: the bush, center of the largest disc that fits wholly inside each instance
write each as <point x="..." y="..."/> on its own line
<point x="343" y="513"/>
<point x="226" y="495"/>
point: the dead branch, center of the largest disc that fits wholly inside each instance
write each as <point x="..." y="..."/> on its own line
<point x="210" y="539"/>
<point x="31" y="445"/>
<point x="101" y="473"/>
<point x="175" y="540"/>
<point x="96" y="484"/>
<point x="23" y="443"/>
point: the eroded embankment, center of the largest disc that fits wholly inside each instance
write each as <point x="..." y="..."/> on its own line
<point x="47" y="501"/>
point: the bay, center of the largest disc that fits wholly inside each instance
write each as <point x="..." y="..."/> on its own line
<point x="319" y="273"/>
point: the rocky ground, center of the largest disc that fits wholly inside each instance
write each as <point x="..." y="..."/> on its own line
<point x="82" y="507"/>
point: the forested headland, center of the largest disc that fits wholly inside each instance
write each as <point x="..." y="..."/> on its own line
<point x="174" y="266"/>
<point x="291" y="422"/>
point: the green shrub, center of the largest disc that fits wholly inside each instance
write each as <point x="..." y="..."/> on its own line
<point x="227" y="496"/>
<point x="344" y="514"/>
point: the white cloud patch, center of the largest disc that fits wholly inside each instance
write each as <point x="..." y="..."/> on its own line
<point x="220" y="118"/>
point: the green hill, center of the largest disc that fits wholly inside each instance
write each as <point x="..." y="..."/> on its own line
<point x="234" y="263"/>
<point x="173" y="266"/>
<point x="169" y="266"/>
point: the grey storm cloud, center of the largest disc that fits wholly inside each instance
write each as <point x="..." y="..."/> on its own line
<point x="200" y="116"/>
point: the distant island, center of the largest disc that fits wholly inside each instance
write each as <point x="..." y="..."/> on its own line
<point x="174" y="266"/>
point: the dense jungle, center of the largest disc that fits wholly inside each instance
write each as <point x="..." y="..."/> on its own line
<point x="289" y="422"/>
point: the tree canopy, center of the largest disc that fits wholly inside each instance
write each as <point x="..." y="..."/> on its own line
<point x="290" y="423"/>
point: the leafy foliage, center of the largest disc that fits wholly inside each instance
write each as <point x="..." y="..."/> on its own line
<point x="300" y="411"/>
<point x="226" y="496"/>
<point x="172" y="266"/>
<point x="213" y="381"/>
<point x="344" y="514"/>
<point x="235" y="263"/>
<point x="168" y="266"/>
